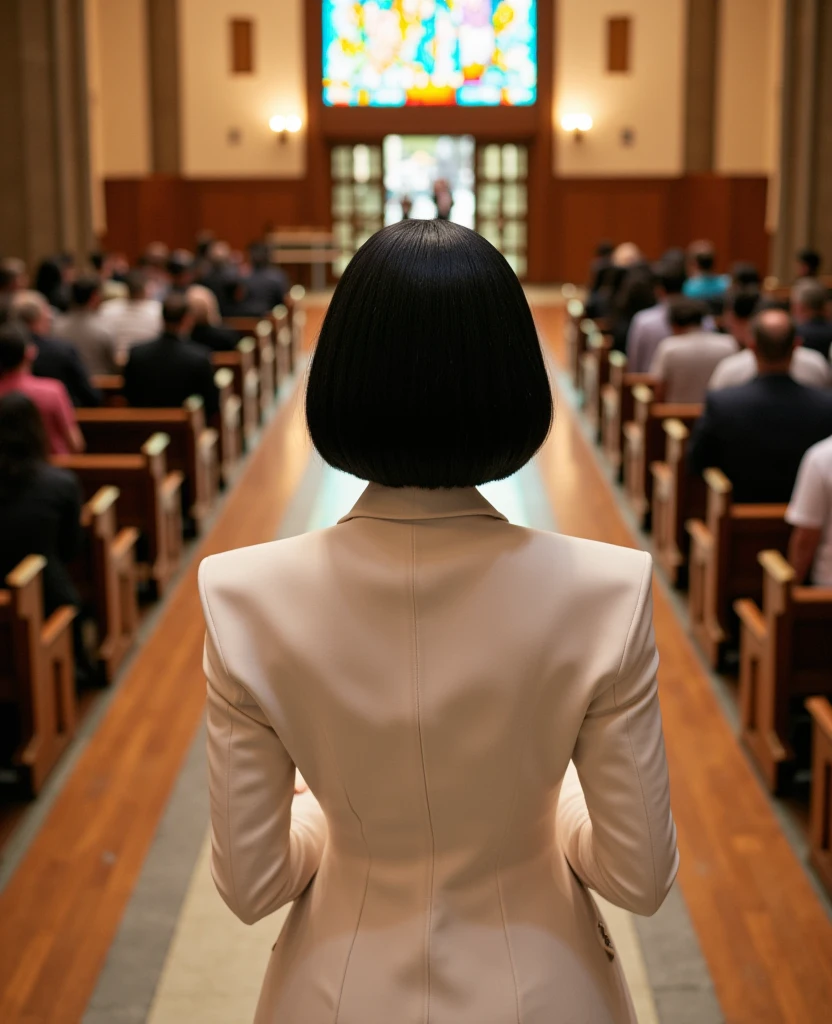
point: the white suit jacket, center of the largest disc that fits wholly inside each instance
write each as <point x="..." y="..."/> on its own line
<point x="432" y="670"/>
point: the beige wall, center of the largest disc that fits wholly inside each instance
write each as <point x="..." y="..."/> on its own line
<point x="117" y="76"/>
<point x="216" y="103"/>
<point x="747" y="120"/>
<point x="649" y="100"/>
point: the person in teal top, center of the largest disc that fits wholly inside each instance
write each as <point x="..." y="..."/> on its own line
<point x="703" y="283"/>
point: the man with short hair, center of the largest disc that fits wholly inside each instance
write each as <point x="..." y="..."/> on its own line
<point x="651" y="326"/>
<point x="685" y="361"/>
<point x="164" y="373"/>
<point x="810" y="513"/>
<point x="57" y="359"/>
<point x="702" y="282"/>
<point x="809" y="312"/>
<point x="265" y="287"/>
<point x="808" y="263"/>
<point x="84" y="328"/>
<point x="17" y="354"/>
<point x="134" y="319"/>
<point x="13" y="276"/>
<point x="807" y="367"/>
<point x="758" y="432"/>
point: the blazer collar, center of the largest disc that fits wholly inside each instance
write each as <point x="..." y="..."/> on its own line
<point x="410" y="503"/>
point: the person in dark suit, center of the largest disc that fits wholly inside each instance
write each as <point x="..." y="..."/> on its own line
<point x="265" y="287"/>
<point x="758" y="432"/>
<point x="223" y="279"/>
<point x="56" y="359"/>
<point x="165" y="372"/>
<point x="208" y="330"/>
<point x="809" y="311"/>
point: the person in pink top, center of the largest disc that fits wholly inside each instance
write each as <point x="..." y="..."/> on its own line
<point x="17" y="354"/>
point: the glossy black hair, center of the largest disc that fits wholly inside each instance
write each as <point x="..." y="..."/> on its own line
<point x="428" y="370"/>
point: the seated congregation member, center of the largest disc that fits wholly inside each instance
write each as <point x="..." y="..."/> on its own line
<point x="222" y="277"/>
<point x="635" y="293"/>
<point x="40" y="514"/>
<point x="133" y="319"/>
<point x="685" y="361"/>
<point x="652" y="325"/>
<point x="207" y="327"/>
<point x="17" y="354"/>
<point x="53" y="278"/>
<point x="40" y="505"/>
<point x="180" y="270"/>
<point x="13" y="277"/>
<point x="702" y="282"/>
<point x="361" y="654"/>
<point x="810" y="513"/>
<point x="809" y="311"/>
<point x="807" y="367"/>
<point x="265" y="286"/>
<point x="56" y="358"/>
<point x="758" y="432"/>
<point x="807" y="264"/>
<point x="163" y="373"/>
<point x="601" y="263"/>
<point x="85" y="328"/>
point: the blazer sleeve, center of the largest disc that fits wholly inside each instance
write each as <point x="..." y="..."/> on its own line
<point x="614" y="820"/>
<point x="266" y="842"/>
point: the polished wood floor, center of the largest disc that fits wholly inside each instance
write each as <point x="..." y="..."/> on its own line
<point x="764" y="933"/>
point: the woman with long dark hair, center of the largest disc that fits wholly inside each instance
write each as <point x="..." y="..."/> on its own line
<point x="40" y="505"/>
<point x="473" y="705"/>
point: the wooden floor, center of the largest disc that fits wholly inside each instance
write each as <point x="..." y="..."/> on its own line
<point x="766" y="938"/>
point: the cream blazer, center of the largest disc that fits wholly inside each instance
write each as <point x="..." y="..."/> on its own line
<point x="432" y="671"/>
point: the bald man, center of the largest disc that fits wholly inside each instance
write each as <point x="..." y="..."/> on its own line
<point x="758" y="432"/>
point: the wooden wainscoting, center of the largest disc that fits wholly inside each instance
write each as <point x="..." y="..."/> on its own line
<point x="570" y="215"/>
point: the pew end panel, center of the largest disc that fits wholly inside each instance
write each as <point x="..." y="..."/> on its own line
<point x="785" y="656"/>
<point x="820" y="815"/>
<point x="37" y="677"/>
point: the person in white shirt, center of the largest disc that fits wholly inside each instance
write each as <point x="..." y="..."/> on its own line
<point x="85" y="329"/>
<point x="810" y="513"/>
<point x="685" y="361"/>
<point x="807" y="367"/>
<point x="135" y="319"/>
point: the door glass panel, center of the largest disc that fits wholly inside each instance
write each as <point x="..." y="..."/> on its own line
<point x="342" y="163"/>
<point x="511" y="163"/>
<point x="490" y="163"/>
<point x="489" y="200"/>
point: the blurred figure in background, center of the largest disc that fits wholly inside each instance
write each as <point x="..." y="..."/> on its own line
<point x="809" y="312"/>
<point x="56" y="359"/>
<point x="207" y="327"/>
<point x="651" y="325"/>
<point x="264" y="287"/>
<point x="53" y="279"/>
<point x="133" y="319"/>
<point x="702" y="282"/>
<point x="807" y="264"/>
<point x="85" y="328"/>
<point x="685" y="361"/>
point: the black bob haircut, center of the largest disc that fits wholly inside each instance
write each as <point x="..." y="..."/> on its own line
<point x="428" y="370"/>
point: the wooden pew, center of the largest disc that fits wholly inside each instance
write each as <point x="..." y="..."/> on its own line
<point x="785" y="656"/>
<point x="149" y="500"/>
<point x="723" y="560"/>
<point x="574" y="340"/>
<point x="820" y="815"/>
<point x="105" y="574"/>
<point x="246" y="383"/>
<point x="678" y="495"/>
<point x="595" y="367"/>
<point x="37" y="677"/>
<point x="229" y="422"/>
<point x="283" y="336"/>
<point x="617" y="405"/>
<point x="192" y="451"/>
<point x="644" y="443"/>
<point x="297" y="321"/>
<point x="111" y="386"/>
<point x="262" y="331"/>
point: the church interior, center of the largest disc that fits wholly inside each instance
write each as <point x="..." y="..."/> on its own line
<point x="658" y="175"/>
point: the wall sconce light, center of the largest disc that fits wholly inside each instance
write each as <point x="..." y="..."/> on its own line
<point x="577" y="124"/>
<point x="283" y="126"/>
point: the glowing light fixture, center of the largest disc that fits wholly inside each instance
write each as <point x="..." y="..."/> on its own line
<point x="577" y="123"/>
<point x="284" y="125"/>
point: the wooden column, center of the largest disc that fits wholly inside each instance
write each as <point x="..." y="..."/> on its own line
<point x="44" y="162"/>
<point x="805" y="208"/>
<point x="702" y="39"/>
<point x="163" y="79"/>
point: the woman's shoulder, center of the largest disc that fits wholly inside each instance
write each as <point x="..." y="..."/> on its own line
<point x="274" y="563"/>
